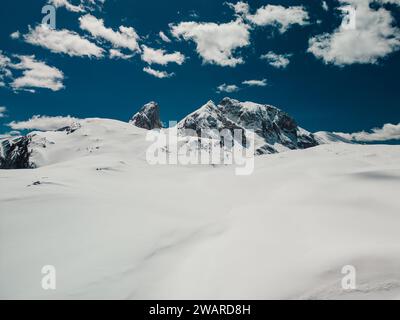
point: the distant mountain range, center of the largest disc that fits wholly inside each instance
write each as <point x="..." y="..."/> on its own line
<point x="275" y="131"/>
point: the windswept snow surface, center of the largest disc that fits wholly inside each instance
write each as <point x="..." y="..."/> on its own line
<point x="115" y="227"/>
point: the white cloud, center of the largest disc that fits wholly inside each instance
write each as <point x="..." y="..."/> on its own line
<point x="4" y="60"/>
<point x="255" y="83"/>
<point x="126" y="37"/>
<point x="93" y="4"/>
<point x="3" y="111"/>
<point x="4" y="68"/>
<point x="389" y="1"/>
<point x="62" y="41"/>
<point x="158" y="74"/>
<point x="43" y="123"/>
<point x="193" y="14"/>
<point x="34" y="74"/>
<point x="164" y="37"/>
<point x="37" y="74"/>
<point x="117" y="54"/>
<point x="82" y="7"/>
<point x="325" y="6"/>
<point x="216" y="43"/>
<point x="273" y="15"/>
<point x="241" y="8"/>
<point x="373" y="37"/>
<point x="277" y="60"/>
<point x="279" y="16"/>
<point x="15" y="35"/>
<point x="67" y="5"/>
<point x="10" y="134"/>
<point x="229" y="88"/>
<point x="159" y="56"/>
<point x="387" y="132"/>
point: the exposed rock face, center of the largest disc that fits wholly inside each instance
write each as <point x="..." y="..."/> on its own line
<point x="274" y="129"/>
<point x="274" y="126"/>
<point x="209" y="117"/>
<point x="148" y="117"/>
<point x="15" y="153"/>
<point x="70" y="129"/>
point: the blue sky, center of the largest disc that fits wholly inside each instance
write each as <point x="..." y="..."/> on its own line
<point x="328" y="76"/>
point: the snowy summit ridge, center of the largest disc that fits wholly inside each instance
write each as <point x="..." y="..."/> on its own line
<point x="148" y="117"/>
<point x="275" y="131"/>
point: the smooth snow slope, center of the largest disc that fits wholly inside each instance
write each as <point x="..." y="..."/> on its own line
<point x="116" y="227"/>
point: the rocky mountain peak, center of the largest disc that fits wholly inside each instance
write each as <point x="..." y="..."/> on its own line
<point x="15" y="153"/>
<point x="207" y="118"/>
<point x="275" y="130"/>
<point x="148" y="117"/>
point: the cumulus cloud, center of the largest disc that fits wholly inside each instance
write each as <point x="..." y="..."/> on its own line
<point x="389" y="1"/>
<point x="241" y="8"/>
<point x="126" y="37"/>
<point x="227" y="88"/>
<point x="10" y="134"/>
<point x="15" y="35"/>
<point x="36" y="74"/>
<point x="215" y="43"/>
<point x="387" y="132"/>
<point x="159" y="56"/>
<point x="255" y="83"/>
<point x="4" y="60"/>
<point x="33" y="74"/>
<point x="277" y="60"/>
<point x="273" y="15"/>
<point x="117" y="54"/>
<point x="164" y="37"/>
<point x="5" y="71"/>
<point x="43" y="123"/>
<point x="373" y="37"/>
<point x="62" y="41"/>
<point x="3" y="111"/>
<point x="157" y="73"/>
<point x="83" y="6"/>
<point x="67" y="5"/>
<point x="279" y="16"/>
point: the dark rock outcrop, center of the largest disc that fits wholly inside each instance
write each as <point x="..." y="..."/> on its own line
<point x="273" y="128"/>
<point x="275" y="131"/>
<point x="148" y="117"/>
<point x="70" y="129"/>
<point x="269" y="123"/>
<point x="15" y="153"/>
<point x="209" y="117"/>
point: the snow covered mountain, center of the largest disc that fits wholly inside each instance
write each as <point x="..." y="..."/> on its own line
<point x="275" y="131"/>
<point x="89" y="137"/>
<point x="209" y="117"/>
<point x="324" y="137"/>
<point x="148" y="117"/>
